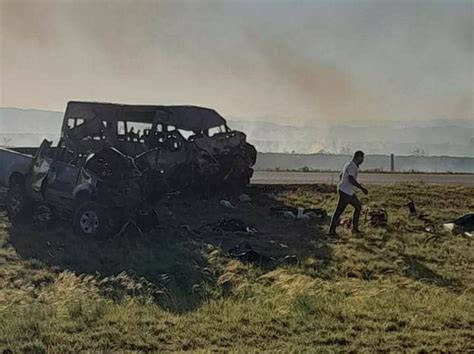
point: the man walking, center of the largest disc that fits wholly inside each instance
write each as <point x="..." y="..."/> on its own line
<point x="346" y="189"/>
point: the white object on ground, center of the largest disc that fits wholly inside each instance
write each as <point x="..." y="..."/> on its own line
<point x="245" y="198"/>
<point x="301" y="215"/>
<point x="450" y="226"/>
<point x="227" y="204"/>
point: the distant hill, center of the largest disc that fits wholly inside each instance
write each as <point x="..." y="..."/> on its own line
<point x="33" y="121"/>
<point x="442" y="137"/>
<point x="28" y="127"/>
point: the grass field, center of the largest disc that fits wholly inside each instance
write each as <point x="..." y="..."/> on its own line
<point x="400" y="288"/>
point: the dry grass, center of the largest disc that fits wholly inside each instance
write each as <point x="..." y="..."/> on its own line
<point x="396" y="289"/>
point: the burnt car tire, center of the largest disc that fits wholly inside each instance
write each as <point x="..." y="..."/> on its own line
<point x="19" y="207"/>
<point x="91" y="220"/>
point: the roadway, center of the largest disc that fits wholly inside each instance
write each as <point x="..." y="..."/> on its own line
<point x="273" y="177"/>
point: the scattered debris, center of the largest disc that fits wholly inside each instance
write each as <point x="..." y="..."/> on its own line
<point x="424" y="217"/>
<point x="288" y="260"/>
<point x="246" y="254"/>
<point x="412" y="208"/>
<point x="376" y="217"/>
<point x="317" y="214"/>
<point x="431" y="238"/>
<point x="245" y="198"/>
<point x="252" y="256"/>
<point x="281" y="209"/>
<point x="463" y="225"/>
<point x="240" y="247"/>
<point x="346" y="222"/>
<point x="227" y="204"/>
<point x="235" y="225"/>
<point x="293" y="213"/>
<point x="298" y="216"/>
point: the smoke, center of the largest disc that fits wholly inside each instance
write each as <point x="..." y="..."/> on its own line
<point x="315" y="88"/>
<point x="299" y="63"/>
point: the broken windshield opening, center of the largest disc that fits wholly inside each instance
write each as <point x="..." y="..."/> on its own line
<point x="186" y="133"/>
<point x="74" y="122"/>
<point x="217" y="130"/>
<point x="133" y="131"/>
<point x="110" y="162"/>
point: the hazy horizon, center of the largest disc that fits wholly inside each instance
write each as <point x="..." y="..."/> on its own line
<point x="289" y="123"/>
<point x="441" y="138"/>
<point x="297" y="63"/>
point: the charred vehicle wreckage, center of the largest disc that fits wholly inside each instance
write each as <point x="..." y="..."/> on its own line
<point x="189" y="146"/>
<point x="114" y="162"/>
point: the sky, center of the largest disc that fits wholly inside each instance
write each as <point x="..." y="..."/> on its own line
<point x="293" y="62"/>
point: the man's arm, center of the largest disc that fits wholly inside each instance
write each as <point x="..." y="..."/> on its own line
<point x="357" y="184"/>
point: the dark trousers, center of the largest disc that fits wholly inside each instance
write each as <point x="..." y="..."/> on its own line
<point x="344" y="200"/>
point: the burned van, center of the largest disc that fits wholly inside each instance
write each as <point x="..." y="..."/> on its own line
<point x="186" y="145"/>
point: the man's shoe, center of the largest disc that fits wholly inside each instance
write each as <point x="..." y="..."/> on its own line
<point x="357" y="232"/>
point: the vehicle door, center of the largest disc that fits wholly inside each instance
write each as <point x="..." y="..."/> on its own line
<point x="62" y="177"/>
<point x="39" y="170"/>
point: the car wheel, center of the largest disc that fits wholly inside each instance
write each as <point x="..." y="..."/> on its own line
<point x="91" y="220"/>
<point x="18" y="204"/>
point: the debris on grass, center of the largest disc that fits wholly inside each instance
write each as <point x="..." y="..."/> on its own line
<point x="412" y="208"/>
<point x="346" y="222"/>
<point x="235" y="225"/>
<point x="281" y="209"/>
<point x="294" y="213"/>
<point x="318" y="215"/>
<point x="430" y="238"/>
<point x="246" y="254"/>
<point x="463" y="225"/>
<point x="377" y="217"/>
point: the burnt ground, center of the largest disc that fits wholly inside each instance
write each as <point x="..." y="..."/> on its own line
<point x="171" y="256"/>
<point x="275" y="235"/>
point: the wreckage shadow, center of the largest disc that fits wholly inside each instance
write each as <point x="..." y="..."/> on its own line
<point x="167" y="262"/>
<point x="171" y="257"/>
<point x="418" y="271"/>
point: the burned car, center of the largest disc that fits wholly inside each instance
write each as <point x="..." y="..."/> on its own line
<point x="100" y="192"/>
<point x="187" y="146"/>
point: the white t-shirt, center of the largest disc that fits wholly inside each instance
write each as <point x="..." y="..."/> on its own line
<point x="345" y="186"/>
